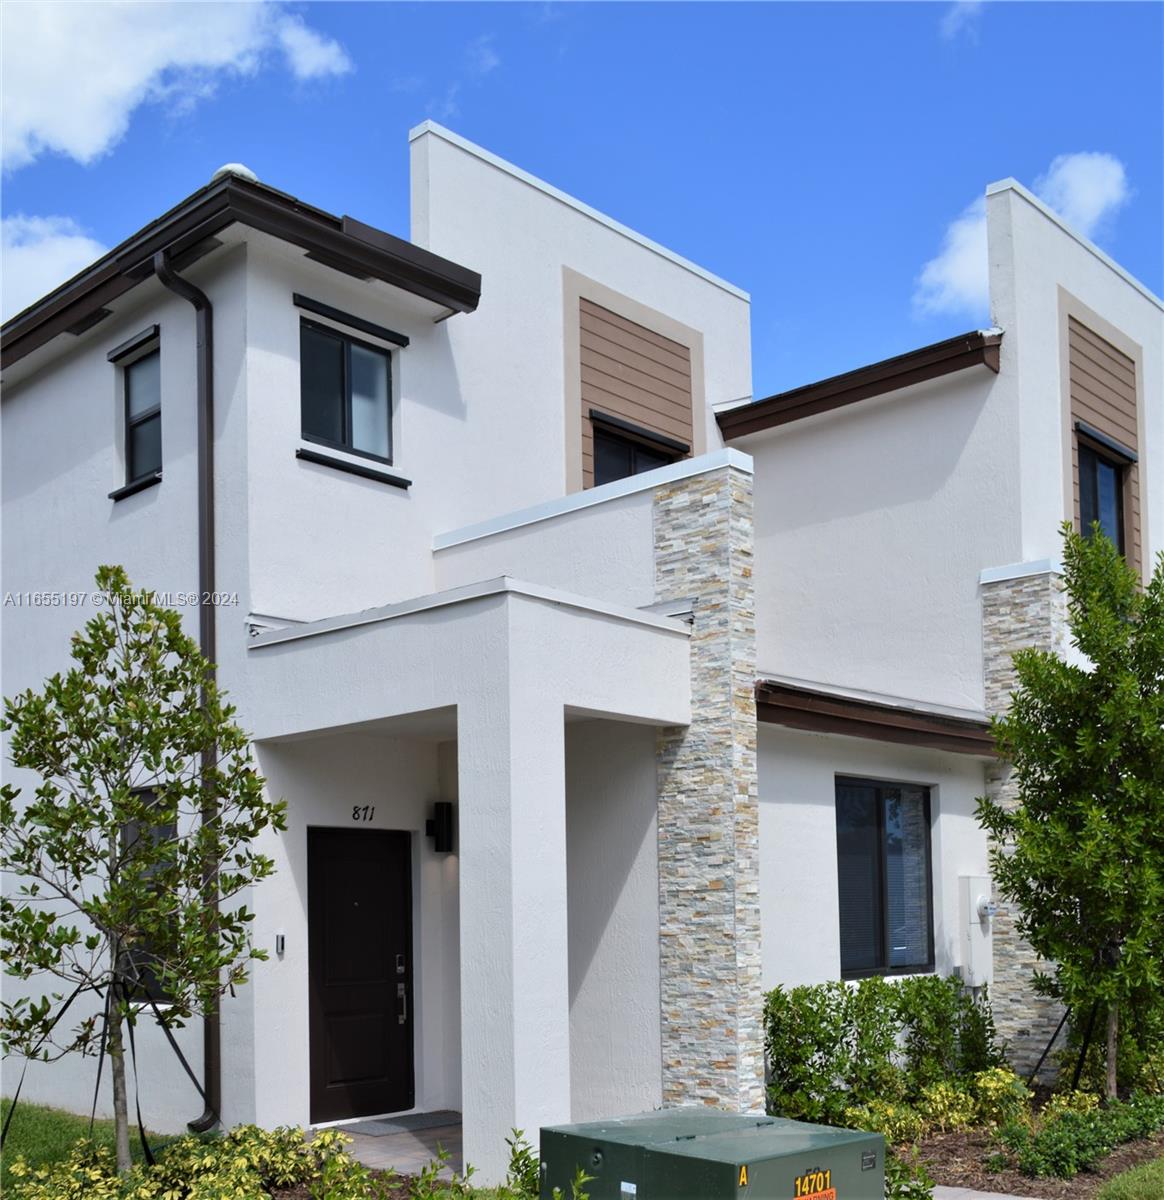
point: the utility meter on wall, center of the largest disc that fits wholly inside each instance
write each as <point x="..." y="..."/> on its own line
<point x="976" y="912"/>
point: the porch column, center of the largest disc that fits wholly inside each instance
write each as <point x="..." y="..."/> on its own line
<point x="515" y="1010"/>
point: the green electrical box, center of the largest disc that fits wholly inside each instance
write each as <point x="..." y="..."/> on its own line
<point x="706" y="1154"/>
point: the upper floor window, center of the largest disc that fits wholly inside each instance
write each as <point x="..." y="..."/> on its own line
<point x="345" y="392"/>
<point x="883" y="868"/>
<point x="1101" y="494"/>
<point x="143" y="416"/>
<point x="616" y="457"/>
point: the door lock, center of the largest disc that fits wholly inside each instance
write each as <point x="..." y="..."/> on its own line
<point x="400" y="964"/>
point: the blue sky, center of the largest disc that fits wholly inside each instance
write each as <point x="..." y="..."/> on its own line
<point x="817" y="155"/>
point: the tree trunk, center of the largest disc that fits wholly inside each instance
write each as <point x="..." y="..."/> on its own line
<point x="116" y="1049"/>
<point x="1113" y="1031"/>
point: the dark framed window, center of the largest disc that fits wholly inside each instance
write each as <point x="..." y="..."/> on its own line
<point x="885" y="878"/>
<point x="616" y="457"/>
<point x="1101" y="493"/>
<point x="142" y="384"/>
<point x="345" y="392"/>
<point x="144" y="958"/>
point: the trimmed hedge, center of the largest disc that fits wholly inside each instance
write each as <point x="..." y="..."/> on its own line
<point x="834" y="1046"/>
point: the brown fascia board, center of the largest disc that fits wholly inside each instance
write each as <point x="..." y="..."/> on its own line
<point x="930" y="362"/>
<point x="826" y="712"/>
<point x="348" y="244"/>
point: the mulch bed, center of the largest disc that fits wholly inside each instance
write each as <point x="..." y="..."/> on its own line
<point x="955" y="1159"/>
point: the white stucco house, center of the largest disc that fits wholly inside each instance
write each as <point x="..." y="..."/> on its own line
<point x="494" y="524"/>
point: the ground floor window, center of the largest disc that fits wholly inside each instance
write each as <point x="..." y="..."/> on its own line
<point x="883" y="866"/>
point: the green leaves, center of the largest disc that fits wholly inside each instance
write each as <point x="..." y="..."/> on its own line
<point x="1082" y="854"/>
<point x="131" y="748"/>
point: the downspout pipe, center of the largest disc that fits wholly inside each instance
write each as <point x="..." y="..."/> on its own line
<point x="207" y="640"/>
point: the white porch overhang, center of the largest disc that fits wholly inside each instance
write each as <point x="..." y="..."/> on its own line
<point x="514" y="661"/>
<point x="469" y="645"/>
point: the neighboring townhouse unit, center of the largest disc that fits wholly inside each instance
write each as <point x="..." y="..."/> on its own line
<point x="494" y="525"/>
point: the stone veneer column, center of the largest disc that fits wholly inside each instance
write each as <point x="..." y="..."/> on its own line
<point x="708" y="818"/>
<point x="1030" y="611"/>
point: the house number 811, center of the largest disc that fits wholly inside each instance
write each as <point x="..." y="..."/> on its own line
<point x="363" y="812"/>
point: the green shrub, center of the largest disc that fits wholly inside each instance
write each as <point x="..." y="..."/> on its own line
<point x="947" y="1107"/>
<point x="873" y="1019"/>
<point x="832" y="1046"/>
<point x="244" y="1164"/>
<point x="898" y="1123"/>
<point x="1145" y="1182"/>
<point x="948" y="1033"/>
<point x="1066" y="1142"/>
<point x="523" y="1175"/>
<point x="1000" y="1097"/>
<point x="906" y="1178"/>
<point x="806" y="1033"/>
<point x="1065" y="1102"/>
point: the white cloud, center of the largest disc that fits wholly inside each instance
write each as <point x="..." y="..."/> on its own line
<point x="117" y="56"/>
<point x="481" y="55"/>
<point x="447" y="106"/>
<point x="1085" y="189"/>
<point x="39" y="254"/>
<point x="961" y="18"/>
<point x="311" y="55"/>
<point x="480" y="59"/>
<point x="956" y="280"/>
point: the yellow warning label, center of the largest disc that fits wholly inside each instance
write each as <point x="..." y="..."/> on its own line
<point x="744" y="1175"/>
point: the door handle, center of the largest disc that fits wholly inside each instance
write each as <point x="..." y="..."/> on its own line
<point x="402" y="996"/>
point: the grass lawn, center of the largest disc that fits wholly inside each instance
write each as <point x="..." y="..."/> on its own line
<point x="44" y="1135"/>
<point x="1145" y="1182"/>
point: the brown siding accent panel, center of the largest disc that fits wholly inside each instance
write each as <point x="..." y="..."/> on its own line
<point x="1102" y="383"/>
<point x="633" y="374"/>
<point x="824" y="712"/>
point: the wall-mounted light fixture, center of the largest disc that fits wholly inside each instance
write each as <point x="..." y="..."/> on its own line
<point x="439" y="826"/>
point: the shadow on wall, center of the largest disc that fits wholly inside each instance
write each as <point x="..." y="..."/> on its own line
<point x="882" y="453"/>
<point x="611" y="797"/>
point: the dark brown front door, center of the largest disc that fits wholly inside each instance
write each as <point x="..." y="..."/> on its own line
<point x="359" y="899"/>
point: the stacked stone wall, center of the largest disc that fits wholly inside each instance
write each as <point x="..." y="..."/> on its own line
<point x="1018" y="613"/>
<point x="708" y="841"/>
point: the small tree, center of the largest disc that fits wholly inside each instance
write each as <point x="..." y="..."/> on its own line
<point x="146" y="809"/>
<point x="1082" y="854"/>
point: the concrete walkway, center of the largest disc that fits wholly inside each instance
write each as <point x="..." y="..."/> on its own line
<point x="961" y="1193"/>
<point x="406" y="1152"/>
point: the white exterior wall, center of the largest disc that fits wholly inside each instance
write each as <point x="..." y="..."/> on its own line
<point x="1037" y="265"/>
<point x="872" y="523"/>
<point x="507" y="446"/>
<point x="604" y="550"/>
<point x="613" y="903"/>
<point x="799" y="908"/>
<point x="61" y="457"/>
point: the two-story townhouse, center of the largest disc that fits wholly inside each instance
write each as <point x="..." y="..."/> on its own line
<point x="486" y="544"/>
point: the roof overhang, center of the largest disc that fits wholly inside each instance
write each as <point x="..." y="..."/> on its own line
<point x="930" y="362"/>
<point x="797" y="707"/>
<point x="343" y="243"/>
